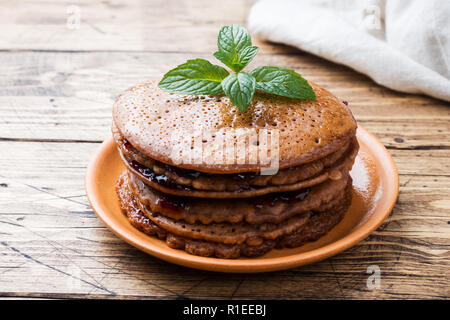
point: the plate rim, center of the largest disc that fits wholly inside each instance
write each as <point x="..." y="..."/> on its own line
<point x="250" y="265"/>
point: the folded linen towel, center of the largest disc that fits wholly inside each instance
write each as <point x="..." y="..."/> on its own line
<point x="401" y="44"/>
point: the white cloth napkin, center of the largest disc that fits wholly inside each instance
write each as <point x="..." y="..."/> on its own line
<point x="401" y="44"/>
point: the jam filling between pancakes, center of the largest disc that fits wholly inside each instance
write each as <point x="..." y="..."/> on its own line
<point x="176" y="204"/>
<point x="171" y="203"/>
<point x="244" y="178"/>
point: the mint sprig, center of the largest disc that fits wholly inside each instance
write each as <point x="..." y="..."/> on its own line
<point x="200" y="77"/>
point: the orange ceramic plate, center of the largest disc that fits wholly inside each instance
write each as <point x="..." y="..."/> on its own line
<point x="375" y="189"/>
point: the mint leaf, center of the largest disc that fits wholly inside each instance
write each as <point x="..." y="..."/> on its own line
<point x="232" y="39"/>
<point x="239" y="87"/>
<point x="283" y="82"/>
<point x="245" y="56"/>
<point x="225" y="58"/>
<point x="197" y="76"/>
<point x="235" y="47"/>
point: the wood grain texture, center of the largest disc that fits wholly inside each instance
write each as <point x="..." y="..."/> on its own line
<point x="56" y="90"/>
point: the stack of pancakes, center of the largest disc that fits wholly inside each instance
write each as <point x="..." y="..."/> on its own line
<point x="226" y="209"/>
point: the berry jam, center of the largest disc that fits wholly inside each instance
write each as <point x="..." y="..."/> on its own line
<point x="272" y="199"/>
<point x="158" y="178"/>
<point x="171" y="205"/>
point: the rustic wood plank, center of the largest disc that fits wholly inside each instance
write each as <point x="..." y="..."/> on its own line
<point x="53" y="236"/>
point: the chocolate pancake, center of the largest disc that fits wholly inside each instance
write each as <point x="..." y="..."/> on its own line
<point x="146" y="116"/>
<point x="229" y="182"/>
<point x="228" y="233"/>
<point x="166" y="185"/>
<point x="271" y="208"/>
<point x="316" y="226"/>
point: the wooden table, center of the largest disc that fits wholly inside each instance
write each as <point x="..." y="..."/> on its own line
<point x="57" y="88"/>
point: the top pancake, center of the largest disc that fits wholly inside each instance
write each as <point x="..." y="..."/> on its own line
<point x="308" y="130"/>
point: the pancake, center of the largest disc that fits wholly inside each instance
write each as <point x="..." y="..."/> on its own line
<point x="272" y="208"/>
<point x="317" y="224"/>
<point x="166" y="185"/>
<point x="227" y="233"/>
<point x="229" y="182"/>
<point x="146" y="116"/>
